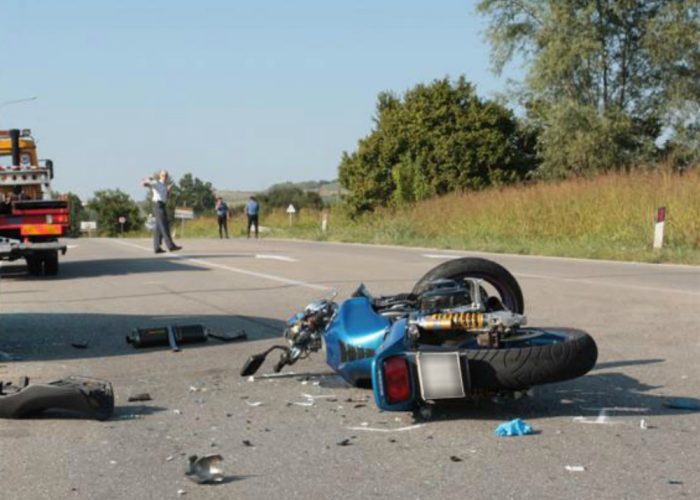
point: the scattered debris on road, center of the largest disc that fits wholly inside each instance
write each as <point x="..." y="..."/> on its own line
<point x="455" y="458"/>
<point x="206" y="469"/>
<point x="344" y="442"/>
<point x="80" y="344"/>
<point x="254" y="403"/>
<point x="141" y="396"/>
<point x="248" y="443"/>
<point x="575" y="468"/>
<point x="376" y="429"/>
<point x="516" y="427"/>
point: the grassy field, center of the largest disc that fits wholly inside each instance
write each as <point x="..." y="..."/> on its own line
<point x="607" y="217"/>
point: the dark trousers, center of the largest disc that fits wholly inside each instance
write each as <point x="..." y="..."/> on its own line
<point x="223" y="225"/>
<point x="253" y="220"/>
<point x="161" y="231"/>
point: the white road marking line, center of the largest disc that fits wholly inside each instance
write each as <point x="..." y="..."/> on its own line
<point x="205" y="263"/>
<point x="603" y="283"/>
<point x="441" y="256"/>
<point x="375" y="429"/>
<point x="283" y="258"/>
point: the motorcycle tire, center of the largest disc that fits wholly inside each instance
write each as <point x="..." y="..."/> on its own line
<point x="473" y="267"/>
<point x="519" y="368"/>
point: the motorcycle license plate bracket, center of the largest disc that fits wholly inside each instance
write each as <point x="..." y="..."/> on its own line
<point x="442" y="375"/>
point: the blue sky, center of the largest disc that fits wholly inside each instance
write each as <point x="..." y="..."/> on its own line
<point x="241" y="94"/>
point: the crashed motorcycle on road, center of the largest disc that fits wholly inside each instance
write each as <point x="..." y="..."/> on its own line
<point x="459" y="334"/>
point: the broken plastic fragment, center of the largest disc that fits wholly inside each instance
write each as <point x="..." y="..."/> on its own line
<point x="516" y="427"/>
<point x="254" y="403"/>
<point x="141" y="396"/>
<point x="575" y="468"/>
<point x="206" y="469"/>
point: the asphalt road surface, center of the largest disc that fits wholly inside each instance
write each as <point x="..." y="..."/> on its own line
<point x="311" y="436"/>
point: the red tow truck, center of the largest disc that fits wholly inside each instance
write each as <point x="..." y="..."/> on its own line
<point x="31" y="221"/>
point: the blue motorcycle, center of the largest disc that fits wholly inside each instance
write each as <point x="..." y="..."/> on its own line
<point x="459" y="334"/>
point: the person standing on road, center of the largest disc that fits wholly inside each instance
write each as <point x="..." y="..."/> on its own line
<point x="160" y="190"/>
<point x="252" y="209"/>
<point x="222" y="216"/>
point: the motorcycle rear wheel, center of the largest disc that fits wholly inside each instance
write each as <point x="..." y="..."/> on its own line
<point x="557" y="354"/>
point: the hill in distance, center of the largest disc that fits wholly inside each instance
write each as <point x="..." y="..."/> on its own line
<point x="328" y="190"/>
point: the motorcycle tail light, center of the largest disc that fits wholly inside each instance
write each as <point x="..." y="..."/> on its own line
<point x="398" y="381"/>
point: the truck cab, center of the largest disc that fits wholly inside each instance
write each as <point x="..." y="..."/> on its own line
<point x="31" y="220"/>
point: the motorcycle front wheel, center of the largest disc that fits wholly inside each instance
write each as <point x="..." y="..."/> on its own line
<point x="497" y="276"/>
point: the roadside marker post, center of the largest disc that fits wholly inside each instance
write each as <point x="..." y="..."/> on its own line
<point x="659" y="221"/>
<point x="324" y="221"/>
<point x="291" y="211"/>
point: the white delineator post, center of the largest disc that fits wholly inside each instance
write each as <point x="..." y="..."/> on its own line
<point x="291" y="211"/>
<point x="659" y="221"/>
<point x="324" y="221"/>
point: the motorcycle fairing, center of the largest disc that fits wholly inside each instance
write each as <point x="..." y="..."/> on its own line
<point x="352" y="339"/>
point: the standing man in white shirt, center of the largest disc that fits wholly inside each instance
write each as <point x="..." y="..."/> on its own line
<point x="161" y="189"/>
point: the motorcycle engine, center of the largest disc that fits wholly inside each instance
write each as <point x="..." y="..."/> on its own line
<point x="443" y="294"/>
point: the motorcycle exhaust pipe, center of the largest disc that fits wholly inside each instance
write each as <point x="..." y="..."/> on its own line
<point x="167" y="335"/>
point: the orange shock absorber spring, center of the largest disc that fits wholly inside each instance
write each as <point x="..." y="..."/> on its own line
<point x="452" y="321"/>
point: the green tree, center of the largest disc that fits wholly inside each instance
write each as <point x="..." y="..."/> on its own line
<point x="77" y="214"/>
<point x="282" y="195"/>
<point x="108" y="205"/>
<point x="604" y="75"/>
<point x="434" y="139"/>
<point x="194" y="193"/>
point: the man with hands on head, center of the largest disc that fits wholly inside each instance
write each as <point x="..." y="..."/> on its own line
<point x="160" y="190"/>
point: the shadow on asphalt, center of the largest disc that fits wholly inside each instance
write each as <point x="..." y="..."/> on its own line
<point x="619" y="394"/>
<point x="39" y="337"/>
<point x="130" y="412"/>
<point x="103" y="267"/>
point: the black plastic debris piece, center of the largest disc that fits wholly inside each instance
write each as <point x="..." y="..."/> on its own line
<point x="141" y="396"/>
<point x="683" y="404"/>
<point x="248" y="443"/>
<point x="392" y="440"/>
<point x="88" y="397"/>
<point x="455" y="458"/>
<point x="673" y="481"/>
<point x="80" y="344"/>
<point x="344" y="442"/>
<point x="359" y="405"/>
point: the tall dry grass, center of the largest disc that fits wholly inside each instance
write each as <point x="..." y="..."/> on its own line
<point x="610" y="216"/>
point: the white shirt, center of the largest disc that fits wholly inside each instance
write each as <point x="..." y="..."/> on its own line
<point x="159" y="190"/>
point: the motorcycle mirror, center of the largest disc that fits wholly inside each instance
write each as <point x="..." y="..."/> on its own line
<point x="253" y="364"/>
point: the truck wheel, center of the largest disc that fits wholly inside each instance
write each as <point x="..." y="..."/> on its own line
<point x="51" y="264"/>
<point x="34" y="265"/>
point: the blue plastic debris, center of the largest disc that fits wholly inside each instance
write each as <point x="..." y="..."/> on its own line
<point x="515" y="427"/>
